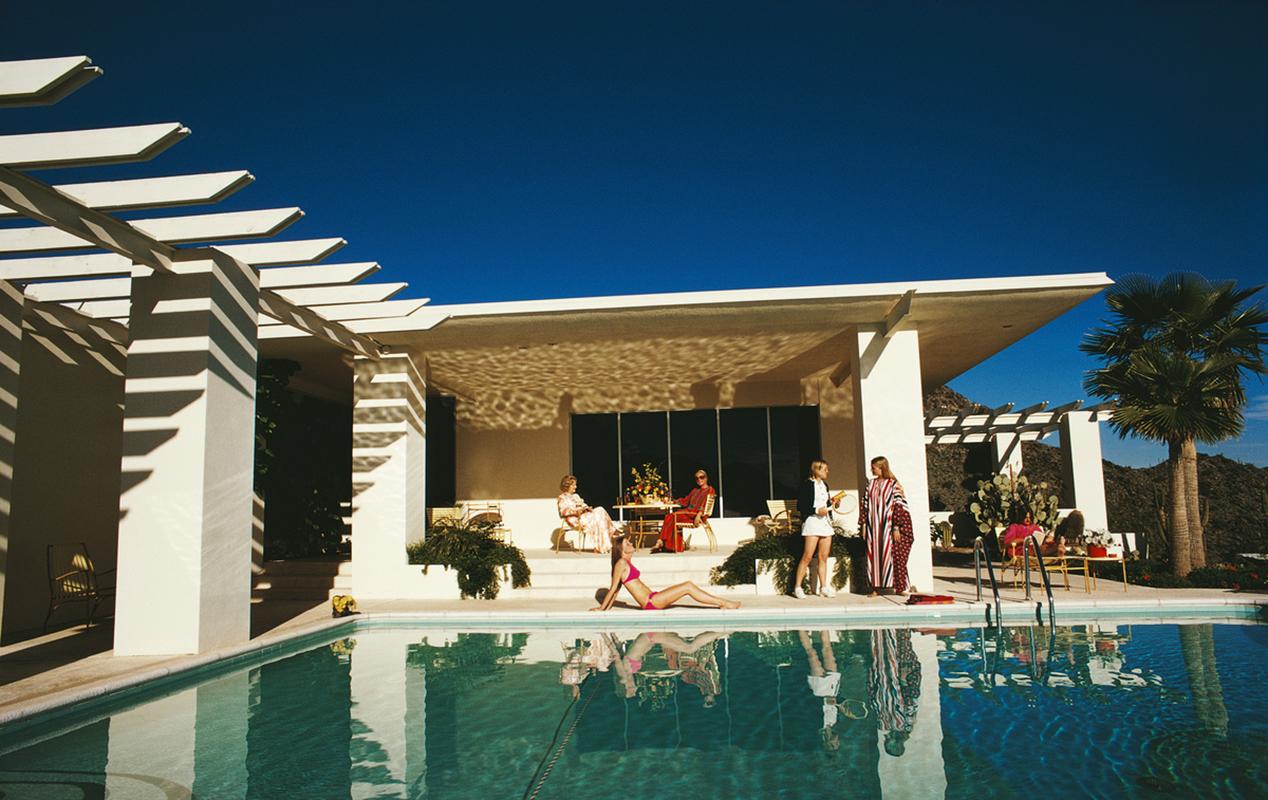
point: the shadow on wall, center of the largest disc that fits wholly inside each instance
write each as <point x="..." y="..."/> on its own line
<point x="66" y="456"/>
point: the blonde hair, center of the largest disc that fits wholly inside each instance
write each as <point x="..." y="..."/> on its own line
<point x="883" y="463"/>
<point x="814" y="467"/>
<point x="567" y="479"/>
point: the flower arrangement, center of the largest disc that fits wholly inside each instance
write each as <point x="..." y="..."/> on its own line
<point x="646" y="482"/>
<point x="1101" y="538"/>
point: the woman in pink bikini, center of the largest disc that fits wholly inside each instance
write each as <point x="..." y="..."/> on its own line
<point x="624" y="572"/>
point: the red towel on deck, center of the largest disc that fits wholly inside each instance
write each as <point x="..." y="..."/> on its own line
<point x="929" y="599"/>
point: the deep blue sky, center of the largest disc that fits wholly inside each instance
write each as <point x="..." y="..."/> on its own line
<point x="507" y="151"/>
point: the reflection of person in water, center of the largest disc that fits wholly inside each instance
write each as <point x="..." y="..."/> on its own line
<point x="627" y="668"/>
<point x="699" y="669"/>
<point x="582" y="659"/>
<point x="893" y="684"/>
<point x="825" y="682"/>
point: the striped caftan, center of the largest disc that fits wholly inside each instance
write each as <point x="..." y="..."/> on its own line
<point x="884" y="512"/>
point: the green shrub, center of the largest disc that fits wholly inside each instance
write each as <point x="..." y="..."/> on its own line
<point x="1217" y="576"/>
<point x="470" y="548"/>
<point x="785" y="550"/>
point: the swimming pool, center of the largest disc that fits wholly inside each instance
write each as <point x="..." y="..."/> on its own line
<point x="1100" y="709"/>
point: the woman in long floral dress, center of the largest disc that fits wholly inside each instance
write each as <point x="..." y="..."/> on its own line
<point x="594" y="522"/>
<point x="886" y="529"/>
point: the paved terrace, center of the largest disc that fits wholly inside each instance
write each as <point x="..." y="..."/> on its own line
<point x="74" y="664"/>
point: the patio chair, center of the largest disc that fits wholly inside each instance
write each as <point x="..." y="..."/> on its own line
<point x="1017" y="563"/>
<point x="784" y="517"/>
<point x="72" y="578"/>
<point x="565" y="529"/>
<point x="487" y="511"/>
<point x="680" y="526"/>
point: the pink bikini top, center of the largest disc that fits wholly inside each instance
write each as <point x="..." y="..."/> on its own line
<point x="633" y="576"/>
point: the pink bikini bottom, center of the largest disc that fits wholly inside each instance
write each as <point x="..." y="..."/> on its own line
<point x="648" y="605"/>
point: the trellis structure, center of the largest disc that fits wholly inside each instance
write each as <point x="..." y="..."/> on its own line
<point x="1004" y="429"/>
<point x="175" y="315"/>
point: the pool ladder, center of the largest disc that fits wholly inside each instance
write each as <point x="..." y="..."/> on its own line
<point x="1027" y="545"/>
<point x="980" y="555"/>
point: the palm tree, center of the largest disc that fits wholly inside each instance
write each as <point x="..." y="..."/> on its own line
<point x="1174" y="357"/>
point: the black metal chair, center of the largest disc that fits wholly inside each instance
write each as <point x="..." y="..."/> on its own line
<point x="73" y="579"/>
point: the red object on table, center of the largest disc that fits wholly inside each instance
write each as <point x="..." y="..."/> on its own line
<point x="1097" y="551"/>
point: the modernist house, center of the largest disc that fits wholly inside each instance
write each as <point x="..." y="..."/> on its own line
<point x="129" y="385"/>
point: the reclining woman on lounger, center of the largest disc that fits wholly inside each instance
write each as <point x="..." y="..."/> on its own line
<point x="624" y="572"/>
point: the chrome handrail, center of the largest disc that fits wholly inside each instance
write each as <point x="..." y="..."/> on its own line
<point x="1027" y="544"/>
<point x="979" y="554"/>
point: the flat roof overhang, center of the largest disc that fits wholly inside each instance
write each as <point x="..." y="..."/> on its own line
<point x="777" y="334"/>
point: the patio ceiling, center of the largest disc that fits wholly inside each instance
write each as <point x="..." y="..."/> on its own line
<point x="530" y="363"/>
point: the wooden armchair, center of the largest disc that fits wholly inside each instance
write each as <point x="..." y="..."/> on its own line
<point x="680" y="526"/>
<point x="784" y="517"/>
<point x="72" y="578"/>
<point x="487" y="511"/>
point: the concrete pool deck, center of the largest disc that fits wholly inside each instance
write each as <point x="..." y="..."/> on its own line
<point x="71" y="665"/>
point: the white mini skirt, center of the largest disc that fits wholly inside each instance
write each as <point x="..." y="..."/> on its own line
<point x="817" y="526"/>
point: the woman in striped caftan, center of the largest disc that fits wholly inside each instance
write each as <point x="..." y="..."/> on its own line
<point x="886" y="529"/>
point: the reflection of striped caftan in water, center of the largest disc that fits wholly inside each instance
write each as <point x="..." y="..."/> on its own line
<point x="893" y="682"/>
<point x="884" y="511"/>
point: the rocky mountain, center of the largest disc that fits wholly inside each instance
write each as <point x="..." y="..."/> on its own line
<point x="1234" y="494"/>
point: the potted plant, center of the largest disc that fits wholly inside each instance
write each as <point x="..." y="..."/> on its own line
<point x="646" y="485"/>
<point x="1097" y="542"/>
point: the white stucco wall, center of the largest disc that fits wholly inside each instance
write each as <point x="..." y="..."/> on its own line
<point x="66" y="465"/>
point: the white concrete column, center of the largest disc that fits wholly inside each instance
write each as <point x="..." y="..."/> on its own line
<point x="388" y="472"/>
<point x="920" y="771"/>
<point x="1082" y="473"/>
<point x="1006" y="453"/>
<point x="380" y="711"/>
<point x="890" y="422"/>
<point x="184" y="580"/>
<point x="11" y="304"/>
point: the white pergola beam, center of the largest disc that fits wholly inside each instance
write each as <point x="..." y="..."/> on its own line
<point x="268" y="254"/>
<point x="898" y="314"/>
<point x="53" y="267"/>
<point x="342" y="295"/>
<point x="45" y="204"/>
<point x="318" y="275"/>
<point x="89" y="147"/>
<point x="354" y="311"/>
<point x="165" y="192"/>
<point x="112" y="264"/>
<point x="261" y="223"/>
<point x="120" y="288"/>
<point x="41" y="81"/>
<point x="65" y="291"/>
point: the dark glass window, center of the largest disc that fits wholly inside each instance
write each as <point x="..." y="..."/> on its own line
<point x="643" y="441"/>
<point x="594" y="458"/>
<point x="441" y="457"/>
<point x="794" y="443"/>
<point x="693" y="441"/>
<point x="745" y="481"/>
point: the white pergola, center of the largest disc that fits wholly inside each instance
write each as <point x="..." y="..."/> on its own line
<point x="190" y="310"/>
<point x="1005" y="429"/>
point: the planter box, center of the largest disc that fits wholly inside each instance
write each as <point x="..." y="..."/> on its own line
<point x="1097" y="551"/>
<point x="765" y="569"/>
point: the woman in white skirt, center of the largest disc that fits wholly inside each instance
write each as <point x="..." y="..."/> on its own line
<point x="815" y="504"/>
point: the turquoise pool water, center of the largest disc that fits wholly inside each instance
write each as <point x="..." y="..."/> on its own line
<point x="1097" y="710"/>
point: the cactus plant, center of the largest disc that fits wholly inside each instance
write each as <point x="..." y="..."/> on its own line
<point x="1004" y="498"/>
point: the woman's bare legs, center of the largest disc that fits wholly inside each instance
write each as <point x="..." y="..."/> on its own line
<point x="825" y="546"/>
<point x="804" y="564"/>
<point x="667" y="597"/>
